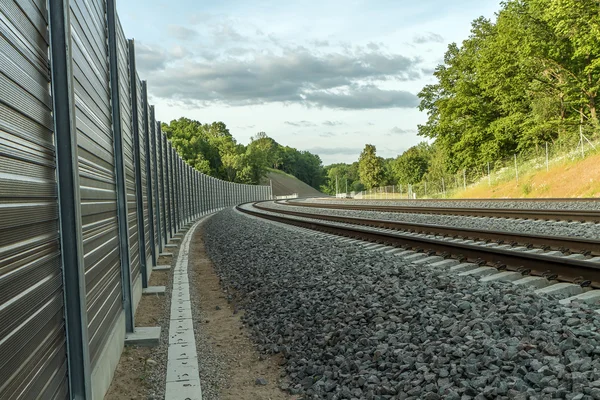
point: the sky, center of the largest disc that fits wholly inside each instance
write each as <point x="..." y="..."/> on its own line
<point x="327" y="76"/>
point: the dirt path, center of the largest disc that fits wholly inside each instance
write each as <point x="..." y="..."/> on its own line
<point x="222" y="340"/>
<point x="141" y="370"/>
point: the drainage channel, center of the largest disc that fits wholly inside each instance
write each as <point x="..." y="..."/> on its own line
<point x="183" y="378"/>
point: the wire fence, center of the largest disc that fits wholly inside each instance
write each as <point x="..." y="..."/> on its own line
<point x="513" y="168"/>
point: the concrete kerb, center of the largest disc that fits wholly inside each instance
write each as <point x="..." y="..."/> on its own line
<point x="183" y="378"/>
<point x="144" y="336"/>
<point x="154" y="290"/>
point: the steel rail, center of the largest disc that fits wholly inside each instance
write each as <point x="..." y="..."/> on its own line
<point x="560" y="243"/>
<point x="562" y="215"/>
<point x="567" y="270"/>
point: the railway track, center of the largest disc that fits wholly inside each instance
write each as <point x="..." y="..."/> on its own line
<point x="547" y="214"/>
<point x="488" y="248"/>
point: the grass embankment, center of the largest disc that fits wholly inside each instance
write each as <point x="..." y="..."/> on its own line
<point x="286" y="184"/>
<point x="568" y="178"/>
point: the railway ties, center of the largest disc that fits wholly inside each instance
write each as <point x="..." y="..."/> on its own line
<point x="550" y="268"/>
<point x="546" y="214"/>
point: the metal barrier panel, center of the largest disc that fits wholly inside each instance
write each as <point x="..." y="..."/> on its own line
<point x="162" y="181"/>
<point x="124" y="166"/>
<point x="144" y="173"/>
<point x="171" y="185"/>
<point x="177" y="188"/>
<point x="153" y="183"/>
<point x="204" y="193"/>
<point x="181" y="187"/>
<point x="33" y="345"/>
<point x="128" y="151"/>
<point x="97" y="169"/>
<point x="168" y="191"/>
<point x="188" y="187"/>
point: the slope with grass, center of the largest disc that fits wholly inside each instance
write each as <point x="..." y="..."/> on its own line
<point x="286" y="184"/>
<point x="568" y="178"/>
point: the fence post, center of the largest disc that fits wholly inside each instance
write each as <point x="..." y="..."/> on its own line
<point x="581" y="140"/>
<point x="444" y="187"/>
<point x="138" y="165"/>
<point x="547" y="164"/>
<point x="465" y="179"/>
<point x="489" y="177"/>
<point x="111" y="15"/>
<point x="516" y="169"/>
<point x="69" y="201"/>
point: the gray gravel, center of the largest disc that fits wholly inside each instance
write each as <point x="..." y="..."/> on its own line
<point x="590" y="204"/>
<point x="211" y="367"/>
<point x="157" y="376"/>
<point x="538" y="227"/>
<point x="355" y="324"/>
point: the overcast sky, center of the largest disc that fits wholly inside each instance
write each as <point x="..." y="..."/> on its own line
<point x="326" y="76"/>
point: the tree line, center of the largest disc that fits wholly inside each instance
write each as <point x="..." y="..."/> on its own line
<point x="212" y="150"/>
<point x="526" y="78"/>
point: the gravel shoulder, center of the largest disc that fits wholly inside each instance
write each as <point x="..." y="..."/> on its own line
<point x="229" y="362"/>
<point x="357" y="324"/>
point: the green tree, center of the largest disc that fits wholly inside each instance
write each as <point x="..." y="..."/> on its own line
<point x="370" y="167"/>
<point x="410" y="167"/>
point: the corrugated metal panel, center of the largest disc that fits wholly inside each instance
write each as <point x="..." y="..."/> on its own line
<point x="96" y="169"/>
<point x="155" y="176"/>
<point x="162" y="183"/>
<point x="186" y="189"/>
<point x="160" y="177"/>
<point x="128" y="153"/>
<point x="143" y="154"/>
<point x="172" y="177"/>
<point x="32" y="346"/>
<point x="168" y="190"/>
<point x="182" y="197"/>
<point x="155" y="200"/>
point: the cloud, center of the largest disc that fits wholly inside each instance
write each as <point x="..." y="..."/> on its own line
<point x="224" y="32"/>
<point x="320" y="43"/>
<point x="150" y="58"/>
<point x="332" y="123"/>
<point x="328" y="151"/>
<point x="304" y="124"/>
<point x="373" y="46"/>
<point x="181" y="32"/>
<point x="327" y="134"/>
<point x="400" y="131"/>
<point x="428" y="37"/>
<point x="292" y="75"/>
<point x="369" y="97"/>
